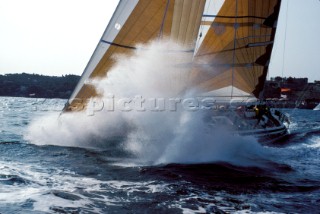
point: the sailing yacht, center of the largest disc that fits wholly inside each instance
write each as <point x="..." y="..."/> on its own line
<point x="227" y="45"/>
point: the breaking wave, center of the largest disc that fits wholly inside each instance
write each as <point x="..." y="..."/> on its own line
<point x="142" y="112"/>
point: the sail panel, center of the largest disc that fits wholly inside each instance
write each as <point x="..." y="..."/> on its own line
<point x="240" y="37"/>
<point x="120" y="15"/>
<point x="140" y="22"/>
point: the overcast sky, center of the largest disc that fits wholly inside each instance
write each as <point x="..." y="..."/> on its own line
<point x="297" y="46"/>
<point x="57" y="37"/>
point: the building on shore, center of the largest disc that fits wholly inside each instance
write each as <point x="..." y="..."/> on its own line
<point x="293" y="92"/>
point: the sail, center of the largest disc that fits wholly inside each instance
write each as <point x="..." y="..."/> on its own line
<point x="138" y="22"/>
<point x="236" y="48"/>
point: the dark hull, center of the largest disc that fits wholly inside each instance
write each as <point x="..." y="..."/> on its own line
<point x="268" y="135"/>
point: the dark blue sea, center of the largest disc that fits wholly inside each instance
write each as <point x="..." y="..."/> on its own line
<point x="81" y="164"/>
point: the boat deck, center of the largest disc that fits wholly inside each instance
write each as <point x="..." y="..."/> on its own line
<point x="247" y="122"/>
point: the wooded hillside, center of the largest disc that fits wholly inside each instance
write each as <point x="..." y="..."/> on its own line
<point x="39" y="86"/>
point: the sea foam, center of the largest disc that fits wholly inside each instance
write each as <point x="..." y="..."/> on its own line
<point x="153" y="129"/>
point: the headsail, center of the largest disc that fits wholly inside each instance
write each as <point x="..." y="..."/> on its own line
<point x="236" y="50"/>
<point x="139" y="22"/>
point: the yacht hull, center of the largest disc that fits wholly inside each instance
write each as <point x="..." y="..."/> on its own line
<point x="267" y="135"/>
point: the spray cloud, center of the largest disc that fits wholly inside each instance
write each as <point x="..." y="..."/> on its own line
<point x="146" y="102"/>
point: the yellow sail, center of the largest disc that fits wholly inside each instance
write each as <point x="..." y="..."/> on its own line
<point x="139" y="22"/>
<point x="236" y="49"/>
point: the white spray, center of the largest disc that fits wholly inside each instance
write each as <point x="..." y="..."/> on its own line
<point x="164" y="132"/>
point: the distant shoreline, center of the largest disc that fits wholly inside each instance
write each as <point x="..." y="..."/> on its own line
<point x="37" y="86"/>
<point x="285" y="92"/>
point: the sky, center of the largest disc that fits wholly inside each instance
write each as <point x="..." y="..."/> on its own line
<point x="296" y="50"/>
<point x="58" y="37"/>
<point x="51" y="37"/>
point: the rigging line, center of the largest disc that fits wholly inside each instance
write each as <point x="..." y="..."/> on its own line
<point x="118" y="45"/>
<point x="230" y="17"/>
<point x="268" y="73"/>
<point x="299" y="101"/>
<point x="256" y="37"/>
<point x="163" y="20"/>
<point x="285" y="38"/>
<point x="259" y="52"/>
<point x="271" y="9"/>
<point x="234" y="48"/>
<point x="134" y="48"/>
<point x="244" y="53"/>
<point x="262" y="51"/>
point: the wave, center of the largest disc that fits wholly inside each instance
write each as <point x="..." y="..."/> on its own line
<point x="153" y="136"/>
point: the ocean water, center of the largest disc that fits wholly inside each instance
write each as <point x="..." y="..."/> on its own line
<point x="47" y="170"/>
